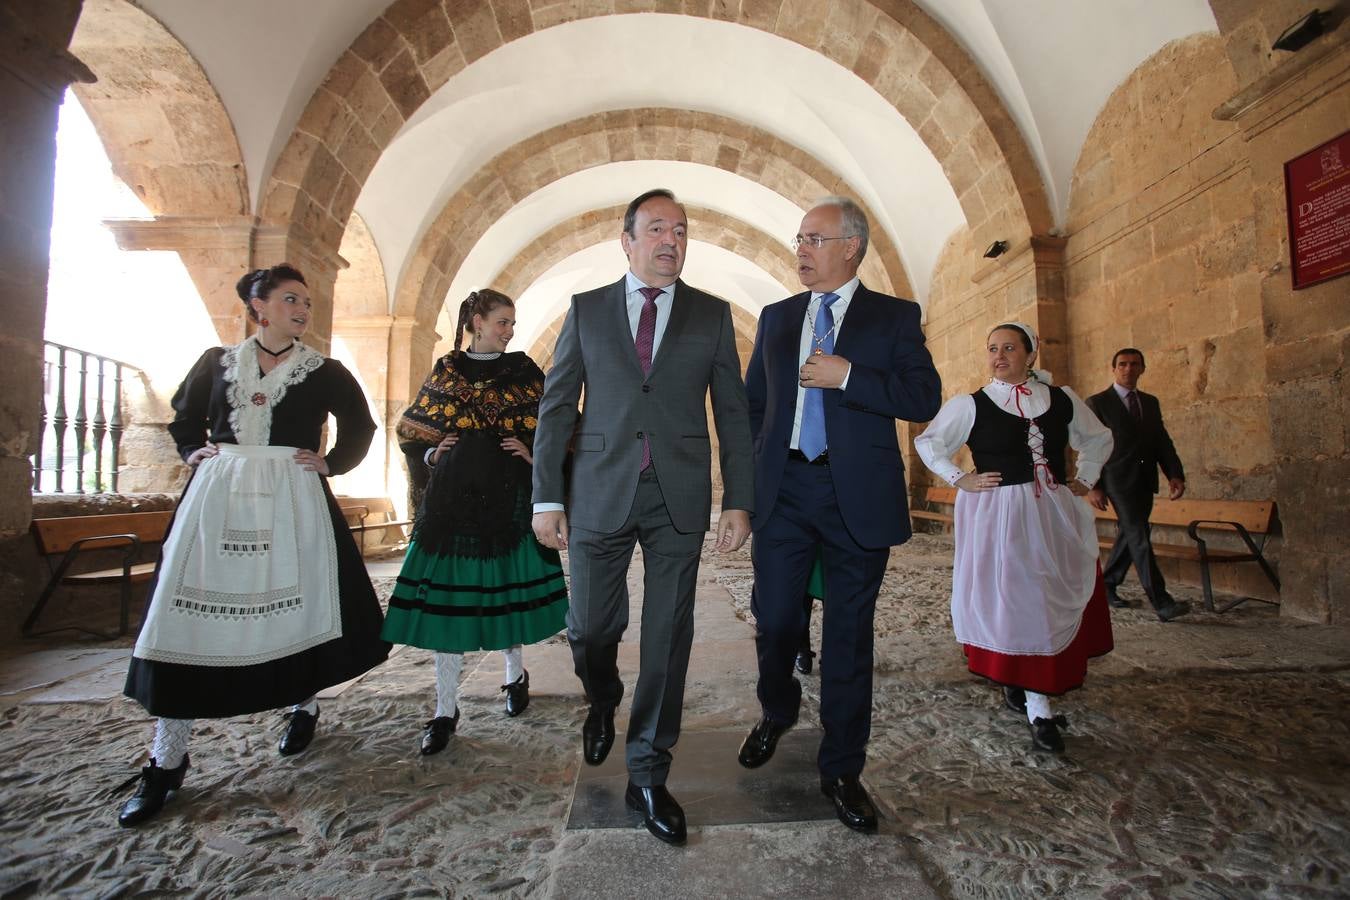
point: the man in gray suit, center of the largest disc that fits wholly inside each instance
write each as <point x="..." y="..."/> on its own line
<point x="647" y="350"/>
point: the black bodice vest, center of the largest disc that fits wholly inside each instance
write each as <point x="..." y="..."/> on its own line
<point x="998" y="439"/>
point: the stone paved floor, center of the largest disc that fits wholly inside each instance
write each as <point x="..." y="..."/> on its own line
<point x="1207" y="758"/>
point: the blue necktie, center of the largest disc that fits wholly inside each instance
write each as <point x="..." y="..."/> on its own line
<point x="812" y="441"/>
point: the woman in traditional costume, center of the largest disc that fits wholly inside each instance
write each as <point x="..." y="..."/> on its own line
<point x="261" y="598"/>
<point x="474" y="577"/>
<point x="1027" y="597"/>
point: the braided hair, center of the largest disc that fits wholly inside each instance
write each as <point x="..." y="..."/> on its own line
<point x="480" y="303"/>
<point x="261" y="282"/>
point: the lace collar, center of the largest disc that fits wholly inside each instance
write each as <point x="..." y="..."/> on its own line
<point x="252" y="395"/>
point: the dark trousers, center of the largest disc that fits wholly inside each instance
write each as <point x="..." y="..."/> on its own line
<point x="598" y="615"/>
<point x="1134" y="545"/>
<point x="805" y="515"/>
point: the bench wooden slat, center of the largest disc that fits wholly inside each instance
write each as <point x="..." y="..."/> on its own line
<point x="69" y="536"/>
<point x="57" y="535"/>
<point x="1254" y="515"/>
<point x="140" y="573"/>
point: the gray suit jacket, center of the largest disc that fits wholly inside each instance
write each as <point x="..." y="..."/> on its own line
<point x="595" y="351"/>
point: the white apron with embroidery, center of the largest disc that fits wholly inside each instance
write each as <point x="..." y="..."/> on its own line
<point x="250" y="567"/>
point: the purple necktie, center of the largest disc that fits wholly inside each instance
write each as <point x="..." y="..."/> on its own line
<point x="646" y="337"/>
<point x="1132" y="401"/>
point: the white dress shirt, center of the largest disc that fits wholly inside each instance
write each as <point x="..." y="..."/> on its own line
<point x="838" y="309"/>
<point x="635" y="301"/>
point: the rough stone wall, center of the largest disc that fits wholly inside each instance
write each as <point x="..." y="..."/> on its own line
<point x="1286" y="104"/>
<point x="1160" y="257"/>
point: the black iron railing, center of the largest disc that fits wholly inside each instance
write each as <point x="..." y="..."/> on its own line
<point x="83" y="393"/>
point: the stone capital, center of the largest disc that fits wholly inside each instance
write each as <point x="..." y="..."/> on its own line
<point x="183" y="232"/>
<point x="33" y="59"/>
<point x="274" y="242"/>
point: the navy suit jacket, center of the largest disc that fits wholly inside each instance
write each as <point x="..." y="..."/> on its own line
<point x="1141" y="446"/>
<point x="892" y="377"/>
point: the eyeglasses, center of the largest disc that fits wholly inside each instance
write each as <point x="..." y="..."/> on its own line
<point x="815" y="240"/>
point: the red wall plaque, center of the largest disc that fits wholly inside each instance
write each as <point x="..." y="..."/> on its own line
<point x="1317" y="187"/>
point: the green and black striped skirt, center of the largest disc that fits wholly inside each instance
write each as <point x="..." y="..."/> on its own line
<point x="455" y="604"/>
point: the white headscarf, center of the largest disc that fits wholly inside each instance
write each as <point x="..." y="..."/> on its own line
<point x="1040" y="375"/>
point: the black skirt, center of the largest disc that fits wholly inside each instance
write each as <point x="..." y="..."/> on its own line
<point x="177" y="691"/>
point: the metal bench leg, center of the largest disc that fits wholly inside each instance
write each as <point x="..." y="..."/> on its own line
<point x="47" y="592"/>
<point x="1204" y="577"/>
<point x="124" y="619"/>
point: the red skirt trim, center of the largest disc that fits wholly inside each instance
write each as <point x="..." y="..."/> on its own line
<point x="1052" y="674"/>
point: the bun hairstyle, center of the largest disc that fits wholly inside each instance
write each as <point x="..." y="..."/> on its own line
<point x="261" y="282"/>
<point x="479" y="303"/>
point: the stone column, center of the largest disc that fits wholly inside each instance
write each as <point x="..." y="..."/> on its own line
<point x="35" y="70"/>
<point x="320" y="263"/>
<point x="1284" y="111"/>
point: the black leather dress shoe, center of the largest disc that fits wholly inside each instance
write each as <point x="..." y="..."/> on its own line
<point x="436" y="734"/>
<point x="1113" y="599"/>
<point x="1015" y="699"/>
<point x="851" y="803"/>
<point x="517" y="695"/>
<point x="759" y="744"/>
<point x="597" y="735"/>
<point x="1045" y="735"/>
<point x="155" y="784"/>
<point x="298" y="733"/>
<point x="803" y="662"/>
<point x="660" y="813"/>
<point x="1172" y="610"/>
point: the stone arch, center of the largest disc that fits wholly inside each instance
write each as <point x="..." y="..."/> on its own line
<point x="614" y="137"/>
<point x="596" y="226"/>
<point x="167" y="135"/>
<point x="416" y="46"/>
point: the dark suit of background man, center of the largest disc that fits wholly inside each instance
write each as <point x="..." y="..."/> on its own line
<point x="647" y="350"/>
<point x="1130" y="479"/>
<point x="832" y="370"/>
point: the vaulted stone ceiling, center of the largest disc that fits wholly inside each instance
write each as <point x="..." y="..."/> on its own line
<point x="937" y="114"/>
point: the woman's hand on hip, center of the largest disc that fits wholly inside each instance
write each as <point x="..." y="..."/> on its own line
<point x="311" y="461"/>
<point x="446" y="443"/>
<point x="979" y="482"/>
<point x="202" y="453"/>
<point x="516" y="447"/>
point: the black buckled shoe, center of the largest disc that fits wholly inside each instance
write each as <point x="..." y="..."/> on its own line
<point x="155" y="785"/>
<point x="759" y="744"/>
<point x="299" y="732"/>
<point x="1045" y="735"/>
<point x="803" y="663"/>
<point x="597" y="735"/>
<point x="851" y="803"/>
<point x="1015" y="698"/>
<point x="436" y="734"/>
<point x="517" y="695"/>
<point x="1114" y="600"/>
<point x="660" y="813"/>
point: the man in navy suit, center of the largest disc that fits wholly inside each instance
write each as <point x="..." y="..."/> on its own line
<point x="1130" y="479"/>
<point x="832" y="370"/>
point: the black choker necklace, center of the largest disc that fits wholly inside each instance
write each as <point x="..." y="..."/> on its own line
<point x="275" y="353"/>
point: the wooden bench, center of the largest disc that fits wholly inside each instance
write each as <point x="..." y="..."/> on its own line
<point x="371" y="514"/>
<point x="935" y="496"/>
<point x="1203" y="520"/>
<point x="73" y="535"/>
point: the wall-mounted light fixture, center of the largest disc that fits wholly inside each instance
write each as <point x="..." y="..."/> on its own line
<point x="1301" y="33"/>
<point x="996" y="249"/>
